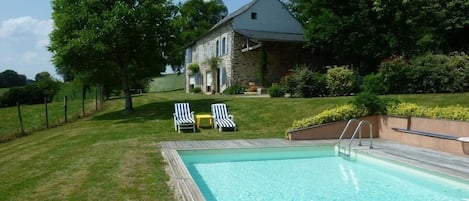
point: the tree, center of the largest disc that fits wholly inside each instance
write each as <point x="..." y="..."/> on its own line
<point x="363" y="33"/>
<point x="47" y="84"/>
<point x="106" y="40"/>
<point x="10" y="78"/>
<point x="195" y="17"/>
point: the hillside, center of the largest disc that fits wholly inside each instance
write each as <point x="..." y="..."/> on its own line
<point x="169" y="82"/>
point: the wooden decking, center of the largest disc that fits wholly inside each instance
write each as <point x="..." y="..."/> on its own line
<point x="187" y="190"/>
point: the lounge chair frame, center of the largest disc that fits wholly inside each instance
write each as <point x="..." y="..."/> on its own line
<point x="183" y="117"/>
<point x="221" y="118"/>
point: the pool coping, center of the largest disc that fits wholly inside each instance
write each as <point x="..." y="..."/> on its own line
<point x="186" y="189"/>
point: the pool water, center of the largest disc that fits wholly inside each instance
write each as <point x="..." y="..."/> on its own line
<point x="312" y="173"/>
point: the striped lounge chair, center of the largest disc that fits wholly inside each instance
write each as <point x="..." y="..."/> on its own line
<point x="183" y="117"/>
<point x="221" y="118"/>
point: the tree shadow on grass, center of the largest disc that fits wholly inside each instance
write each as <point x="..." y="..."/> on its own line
<point x="157" y="111"/>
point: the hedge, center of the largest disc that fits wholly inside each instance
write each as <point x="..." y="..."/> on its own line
<point x="350" y="111"/>
<point x="339" y="113"/>
<point x="410" y="109"/>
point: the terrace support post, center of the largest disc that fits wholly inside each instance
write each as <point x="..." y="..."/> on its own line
<point x="96" y="99"/>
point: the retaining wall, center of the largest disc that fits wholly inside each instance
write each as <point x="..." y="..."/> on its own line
<point x="382" y="128"/>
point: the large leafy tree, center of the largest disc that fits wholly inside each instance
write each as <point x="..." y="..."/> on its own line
<point x="10" y="78"/>
<point x="365" y="32"/>
<point x="102" y="40"/>
<point x="195" y="17"/>
<point x="47" y="84"/>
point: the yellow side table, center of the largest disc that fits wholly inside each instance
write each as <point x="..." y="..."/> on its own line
<point x="198" y="117"/>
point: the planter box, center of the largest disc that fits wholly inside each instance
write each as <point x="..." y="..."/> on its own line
<point x="382" y="128"/>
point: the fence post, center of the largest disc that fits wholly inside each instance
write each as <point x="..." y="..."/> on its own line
<point x="83" y="104"/>
<point x="20" y="117"/>
<point x="96" y="99"/>
<point x="65" y="108"/>
<point x="47" y="112"/>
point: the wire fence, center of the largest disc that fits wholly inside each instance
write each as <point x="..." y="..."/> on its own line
<point x="23" y="119"/>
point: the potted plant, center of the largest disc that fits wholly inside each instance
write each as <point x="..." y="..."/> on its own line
<point x="194" y="68"/>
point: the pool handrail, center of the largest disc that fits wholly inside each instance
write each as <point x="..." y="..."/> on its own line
<point x="358" y="129"/>
<point x="345" y="129"/>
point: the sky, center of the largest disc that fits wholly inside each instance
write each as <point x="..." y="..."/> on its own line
<point x="25" y="26"/>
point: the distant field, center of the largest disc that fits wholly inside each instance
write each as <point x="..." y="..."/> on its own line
<point x="170" y="82"/>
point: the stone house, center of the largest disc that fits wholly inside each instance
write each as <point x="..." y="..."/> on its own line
<point x="259" y="43"/>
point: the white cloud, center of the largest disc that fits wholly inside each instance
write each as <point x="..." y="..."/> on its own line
<point x="25" y="26"/>
<point x="23" y="42"/>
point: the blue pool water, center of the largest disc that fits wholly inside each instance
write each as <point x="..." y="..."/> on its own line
<point x="312" y="173"/>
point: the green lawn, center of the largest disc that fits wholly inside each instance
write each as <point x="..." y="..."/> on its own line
<point x="34" y="116"/>
<point x="115" y="156"/>
<point x="169" y="82"/>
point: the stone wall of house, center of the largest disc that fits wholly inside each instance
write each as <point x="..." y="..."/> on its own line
<point x="281" y="58"/>
<point x="243" y="63"/>
<point x="243" y="67"/>
<point x="206" y="48"/>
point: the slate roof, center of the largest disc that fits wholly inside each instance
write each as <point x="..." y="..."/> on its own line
<point x="254" y="34"/>
<point x="234" y="14"/>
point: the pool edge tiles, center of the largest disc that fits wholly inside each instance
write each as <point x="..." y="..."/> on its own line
<point x="177" y="173"/>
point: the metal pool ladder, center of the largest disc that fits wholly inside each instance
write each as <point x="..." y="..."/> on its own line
<point x="357" y="130"/>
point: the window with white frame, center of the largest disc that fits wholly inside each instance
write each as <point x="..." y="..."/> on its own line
<point x="188" y="55"/>
<point x="222" y="76"/>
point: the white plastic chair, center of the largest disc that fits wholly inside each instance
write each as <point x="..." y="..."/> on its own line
<point x="183" y="117"/>
<point x="221" y="118"/>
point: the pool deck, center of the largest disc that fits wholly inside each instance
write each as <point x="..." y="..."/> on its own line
<point x="186" y="189"/>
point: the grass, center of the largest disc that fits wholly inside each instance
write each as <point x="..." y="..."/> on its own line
<point x="169" y="82"/>
<point x="115" y="156"/>
<point x="34" y="117"/>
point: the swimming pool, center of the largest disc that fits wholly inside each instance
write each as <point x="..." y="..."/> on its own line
<point x="312" y="173"/>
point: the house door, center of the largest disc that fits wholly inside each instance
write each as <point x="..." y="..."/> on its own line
<point x="208" y="82"/>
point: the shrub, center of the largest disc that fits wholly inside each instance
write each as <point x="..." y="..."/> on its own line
<point x="29" y="94"/>
<point x="194" y="68"/>
<point x="410" y="109"/>
<point x="394" y="75"/>
<point x="341" y="80"/>
<point x="426" y="74"/>
<point x="276" y="91"/>
<point x="444" y="73"/>
<point x="373" y="83"/>
<point x="234" y="90"/>
<point x="344" y="112"/>
<point x="371" y="102"/>
<point x="305" y="83"/>
<point x="196" y="90"/>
